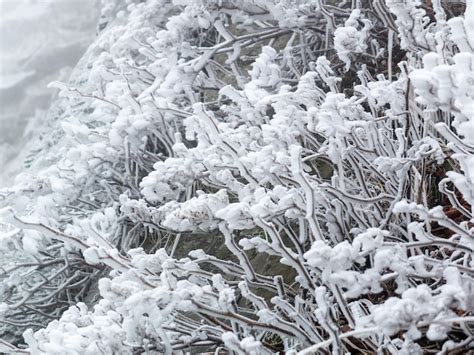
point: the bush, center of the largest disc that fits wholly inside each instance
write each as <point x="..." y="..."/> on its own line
<point x="254" y="177"/>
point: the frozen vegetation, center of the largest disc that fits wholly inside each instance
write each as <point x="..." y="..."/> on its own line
<point x="251" y="177"/>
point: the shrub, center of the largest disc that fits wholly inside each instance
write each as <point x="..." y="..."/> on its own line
<point x="254" y="177"/>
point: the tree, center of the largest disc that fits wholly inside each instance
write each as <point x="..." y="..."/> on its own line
<point x="255" y="177"/>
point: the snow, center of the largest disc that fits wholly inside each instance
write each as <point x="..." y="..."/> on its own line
<point x="168" y="137"/>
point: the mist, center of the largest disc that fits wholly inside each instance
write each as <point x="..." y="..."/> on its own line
<point x="40" y="41"/>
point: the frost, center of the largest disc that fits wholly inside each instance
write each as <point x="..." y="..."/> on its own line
<point x="196" y="214"/>
<point x="250" y="177"/>
<point x="349" y="39"/>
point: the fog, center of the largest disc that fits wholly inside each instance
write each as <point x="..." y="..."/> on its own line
<point x="40" y="41"/>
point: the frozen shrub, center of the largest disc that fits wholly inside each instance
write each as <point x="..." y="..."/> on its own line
<point x="255" y="177"/>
